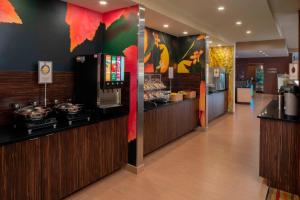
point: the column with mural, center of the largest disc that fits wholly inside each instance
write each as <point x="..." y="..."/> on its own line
<point x="224" y="57"/>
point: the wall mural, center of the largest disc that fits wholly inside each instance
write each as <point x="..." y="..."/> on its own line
<point x="191" y="56"/>
<point x="44" y="34"/>
<point x="83" y="24"/>
<point x="162" y="50"/>
<point x="224" y="57"/>
<point x="159" y="50"/>
<point x="8" y="13"/>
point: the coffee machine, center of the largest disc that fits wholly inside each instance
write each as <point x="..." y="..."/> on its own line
<point x="99" y="80"/>
<point x="291" y="94"/>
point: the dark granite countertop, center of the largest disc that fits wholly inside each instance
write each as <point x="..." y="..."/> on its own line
<point x="274" y="113"/>
<point x="216" y="91"/>
<point x="151" y="106"/>
<point x="9" y="135"/>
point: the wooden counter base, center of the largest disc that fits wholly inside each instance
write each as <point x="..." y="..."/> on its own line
<point x="164" y="124"/>
<point x="54" y="166"/>
<point x="279" y="154"/>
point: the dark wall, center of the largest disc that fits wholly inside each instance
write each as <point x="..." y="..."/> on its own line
<point x="244" y="67"/>
<point x="43" y="35"/>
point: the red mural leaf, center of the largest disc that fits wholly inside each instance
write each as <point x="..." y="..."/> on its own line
<point x="83" y="24"/>
<point x="8" y="13"/>
<point x="110" y="17"/>
<point x="131" y="57"/>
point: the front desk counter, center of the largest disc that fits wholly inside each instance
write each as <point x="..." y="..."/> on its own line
<point x="52" y="164"/>
<point x="165" y="123"/>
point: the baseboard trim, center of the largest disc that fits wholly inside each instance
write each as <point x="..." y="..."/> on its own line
<point x="134" y="169"/>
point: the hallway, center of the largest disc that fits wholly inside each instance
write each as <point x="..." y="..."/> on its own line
<point x="221" y="163"/>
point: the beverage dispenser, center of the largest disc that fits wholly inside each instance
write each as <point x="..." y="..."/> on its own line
<point x="99" y="80"/>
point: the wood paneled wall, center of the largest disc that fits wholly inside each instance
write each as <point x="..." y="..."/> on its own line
<point x="243" y="66"/>
<point x="184" y="81"/>
<point x="23" y="87"/>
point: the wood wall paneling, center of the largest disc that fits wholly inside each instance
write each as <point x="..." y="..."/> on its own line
<point x="23" y="87"/>
<point x="20" y="171"/>
<point x="184" y="81"/>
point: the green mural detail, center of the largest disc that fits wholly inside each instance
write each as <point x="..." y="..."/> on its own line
<point x="120" y="35"/>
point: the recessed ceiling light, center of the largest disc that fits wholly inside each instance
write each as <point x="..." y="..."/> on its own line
<point x="260" y="51"/>
<point x="185" y="33"/>
<point x="239" y="23"/>
<point x="219" y="45"/>
<point x="103" y="3"/>
<point x="210" y="42"/>
<point x="166" y="25"/>
<point x="248" y="32"/>
<point x="221" y="8"/>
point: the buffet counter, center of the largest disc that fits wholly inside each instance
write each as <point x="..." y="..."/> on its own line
<point x="166" y="122"/>
<point x="217" y="104"/>
<point x="54" y="163"/>
<point x="279" y="161"/>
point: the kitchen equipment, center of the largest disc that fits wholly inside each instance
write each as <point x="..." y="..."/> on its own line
<point x="99" y="80"/>
<point x="72" y="113"/>
<point x="291" y="100"/>
<point x="155" y="89"/>
<point x="33" y="117"/>
<point x="216" y="79"/>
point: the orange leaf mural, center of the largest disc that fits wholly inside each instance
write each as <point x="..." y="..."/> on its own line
<point x="131" y="56"/>
<point x="110" y="17"/>
<point x="202" y="104"/>
<point x="8" y="13"/>
<point x="83" y="24"/>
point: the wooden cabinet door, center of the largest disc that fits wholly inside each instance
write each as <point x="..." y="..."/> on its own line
<point x="20" y="171"/>
<point x="59" y="164"/>
<point x="78" y="157"/>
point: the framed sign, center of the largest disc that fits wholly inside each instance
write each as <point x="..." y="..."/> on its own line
<point x="216" y="73"/>
<point x="171" y="73"/>
<point x="45" y="70"/>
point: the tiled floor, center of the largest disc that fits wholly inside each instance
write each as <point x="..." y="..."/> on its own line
<point x="219" y="164"/>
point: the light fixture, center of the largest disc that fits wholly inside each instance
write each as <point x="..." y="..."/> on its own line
<point x="219" y="45"/>
<point x="260" y="51"/>
<point x="185" y="33"/>
<point x="239" y="23"/>
<point x="210" y="42"/>
<point x="103" y="3"/>
<point x="166" y="25"/>
<point x="221" y="8"/>
<point x="248" y="32"/>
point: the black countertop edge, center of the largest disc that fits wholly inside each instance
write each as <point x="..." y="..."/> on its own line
<point x="9" y="135"/>
<point x="271" y="111"/>
<point x="217" y="91"/>
<point x="153" y="107"/>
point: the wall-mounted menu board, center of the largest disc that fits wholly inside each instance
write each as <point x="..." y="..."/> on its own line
<point x="114" y="70"/>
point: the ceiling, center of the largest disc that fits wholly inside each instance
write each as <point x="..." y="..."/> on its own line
<point x="203" y="15"/>
<point x="94" y="4"/>
<point x="268" y="48"/>
<point x="286" y="16"/>
<point x="267" y="19"/>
